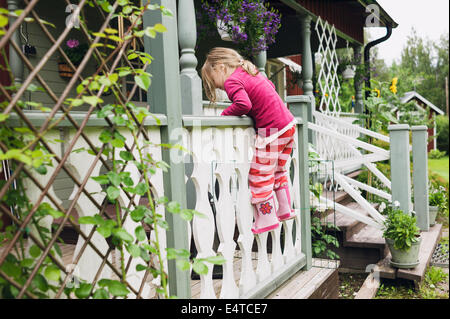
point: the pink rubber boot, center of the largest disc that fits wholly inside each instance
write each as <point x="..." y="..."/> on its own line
<point x="265" y="216"/>
<point x="284" y="211"/>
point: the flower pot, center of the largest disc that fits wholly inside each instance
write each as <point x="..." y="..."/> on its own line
<point x="432" y="213"/>
<point x="65" y="71"/>
<point x="349" y="72"/>
<point x="222" y="29"/>
<point x="404" y="259"/>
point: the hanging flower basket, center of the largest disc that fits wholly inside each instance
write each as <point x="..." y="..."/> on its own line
<point x="349" y="72"/>
<point x="250" y="24"/>
<point x="75" y="52"/>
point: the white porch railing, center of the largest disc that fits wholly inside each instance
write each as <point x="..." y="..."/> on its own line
<point x="222" y="154"/>
<point x="337" y="140"/>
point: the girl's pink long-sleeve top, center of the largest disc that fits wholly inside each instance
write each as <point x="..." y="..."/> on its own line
<point x="256" y="97"/>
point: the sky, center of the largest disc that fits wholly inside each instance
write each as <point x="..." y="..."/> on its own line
<point x="430" y="19"/>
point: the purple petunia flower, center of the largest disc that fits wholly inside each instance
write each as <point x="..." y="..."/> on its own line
<point x="72" y="43"/>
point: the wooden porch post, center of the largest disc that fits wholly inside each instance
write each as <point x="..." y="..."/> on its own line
<point x="400" y="166"/>
<point x="358" y="82"/>
<point x="261" y="60"/>
<point x="14" y="60"/>
<point x="164" y="97"/>
<point x="191" y="84"/>
<point x="420" y="175"/>
<point x="299" y="106"/>
<point x="307" y="69"/>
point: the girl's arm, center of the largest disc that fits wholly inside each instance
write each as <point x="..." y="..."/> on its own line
<point x="241" y="102"/>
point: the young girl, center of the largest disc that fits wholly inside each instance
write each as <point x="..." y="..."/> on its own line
<point x="254" y="95"/>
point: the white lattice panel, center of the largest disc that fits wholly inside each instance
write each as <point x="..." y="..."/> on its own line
<point x="328" y="81"/>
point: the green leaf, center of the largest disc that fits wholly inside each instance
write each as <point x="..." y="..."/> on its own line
<point x="138" y="213"/>
<point x="134" y="250"/>
<point x="104" y="230"/>
<point x="199" y="267"/>
<point x="3" y="117"/>
<point x="122" y="234"/>
<point x="173" y="207"/>
<point x="160" y="28"/>
<point x="117" y="289"/>
<point x="216" y="260"/>
<point x="141" y="189"/>
<point x="112" y="192"/>
<point x="90" y="220"/>
<point x="183" y="264"/>
<point x="102" y="179"/>
<point x="35" y="251"/>
<point x="143" y="81"/>
<point x="52" y="273"/>
<point x="140" y="233"/>
<point x="40" y="282"/>
<point x="114" y="178"/>
<point x="92" y="100"/>
<point x="126" y="156"/>
<point x="83" y="291"/>
<point x="101" y="294"/>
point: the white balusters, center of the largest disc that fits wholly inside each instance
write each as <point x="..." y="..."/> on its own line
<point x="223" y="145"/>
<point x="244" y="209"/>
<point x="203" y="227"/>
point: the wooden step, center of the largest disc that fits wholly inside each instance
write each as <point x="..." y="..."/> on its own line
<point x="368" y="236"/>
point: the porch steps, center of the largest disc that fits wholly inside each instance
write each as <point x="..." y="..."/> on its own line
<point x="359" y="244"/>
<point x="427" y="247"/>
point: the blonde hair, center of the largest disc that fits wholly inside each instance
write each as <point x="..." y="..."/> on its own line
<point x="231" y="59"/>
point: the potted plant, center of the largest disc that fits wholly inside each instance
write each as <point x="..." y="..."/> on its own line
<point x="402" y="237"/>
<point x="250" y="24"/>
<point x="75" y="52"/>
<point x="436" y="200"/>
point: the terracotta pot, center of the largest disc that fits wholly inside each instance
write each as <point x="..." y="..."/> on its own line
<point x="65" y="71"/>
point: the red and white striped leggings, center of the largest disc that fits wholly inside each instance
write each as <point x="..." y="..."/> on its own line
<point x="267" y="171"/>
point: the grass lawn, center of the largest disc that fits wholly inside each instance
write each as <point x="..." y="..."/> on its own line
<point x="439" y="166"/>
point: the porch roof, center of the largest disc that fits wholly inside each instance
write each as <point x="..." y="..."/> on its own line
<point x="348" y="16"/>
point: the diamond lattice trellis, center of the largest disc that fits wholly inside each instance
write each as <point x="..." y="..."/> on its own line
<point x="328" y="81"/>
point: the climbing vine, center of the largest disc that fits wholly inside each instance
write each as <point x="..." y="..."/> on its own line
<point x="23" y="147"/>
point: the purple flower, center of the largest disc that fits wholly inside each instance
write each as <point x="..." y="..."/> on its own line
<point x="72" y="43"/>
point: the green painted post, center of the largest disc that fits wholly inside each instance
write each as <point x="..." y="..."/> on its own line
<point x="400" y="166"/>
<point x="260" y="61"/>
<point x="164" y="97"/>
<point x="420" y="175"/>
<point x="15" y="61"/>
<point x="359" y="99"/>
<point x="191" y="84"/>
<point x="307" y="69"/>
<point x="299" y="106"/>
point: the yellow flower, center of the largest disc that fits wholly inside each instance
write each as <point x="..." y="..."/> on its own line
<point x="378" y="92"/>
<point x="393" y="87"/>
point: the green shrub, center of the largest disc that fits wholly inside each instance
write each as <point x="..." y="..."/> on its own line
<point x="442" y="132"/>
<point x="436" y="154"/>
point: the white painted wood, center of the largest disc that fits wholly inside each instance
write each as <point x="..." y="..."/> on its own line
<point x="347" y="139"/>
<point x="223" y="145"/>
<point x="203" y="228"/>
<point x="244" y="211"/>
<point x="359" y="199"/>
<point x="263" y="268"/>
<point x="368" y="188"/>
